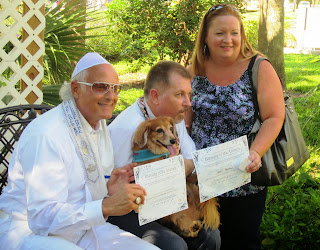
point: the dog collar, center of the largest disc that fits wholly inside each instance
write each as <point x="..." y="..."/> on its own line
<point x="145" y="155"/>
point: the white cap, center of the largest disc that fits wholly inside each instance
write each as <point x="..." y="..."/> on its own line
<point x="87" y="61"/>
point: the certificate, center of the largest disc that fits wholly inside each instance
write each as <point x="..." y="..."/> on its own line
<point x="220" y="168"/>
<point x="165" y="184"/>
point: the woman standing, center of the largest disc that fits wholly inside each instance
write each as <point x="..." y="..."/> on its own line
<point x="223" y="109"/>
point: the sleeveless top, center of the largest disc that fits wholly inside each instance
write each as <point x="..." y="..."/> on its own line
<point x="221" y="114"/>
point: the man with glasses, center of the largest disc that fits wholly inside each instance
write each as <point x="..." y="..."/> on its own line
<point x="61" y="184"/>
<point x="167" y="92"/>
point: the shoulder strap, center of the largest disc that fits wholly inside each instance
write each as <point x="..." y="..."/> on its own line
<point x="253" y="75"/>
<point x="252" y="61"/>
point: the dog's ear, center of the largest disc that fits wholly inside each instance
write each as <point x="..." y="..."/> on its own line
<point x="141" y="135"/>
<point x="173" y="124"/>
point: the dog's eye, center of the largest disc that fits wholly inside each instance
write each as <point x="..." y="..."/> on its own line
<point x="171" y="128"/>
<point x="160" y="130"/>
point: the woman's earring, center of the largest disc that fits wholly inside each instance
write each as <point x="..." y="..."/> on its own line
<point x="204" y="48"/>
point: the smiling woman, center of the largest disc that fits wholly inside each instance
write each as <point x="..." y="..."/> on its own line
<point x="222" y="110"/>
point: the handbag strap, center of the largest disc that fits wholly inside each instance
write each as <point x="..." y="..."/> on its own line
<point x="253" y="76"/>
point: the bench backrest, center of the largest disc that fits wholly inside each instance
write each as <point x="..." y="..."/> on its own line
<point x="13" y="121"/>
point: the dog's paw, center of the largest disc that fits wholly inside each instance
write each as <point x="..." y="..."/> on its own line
<point x="194" y="229"/>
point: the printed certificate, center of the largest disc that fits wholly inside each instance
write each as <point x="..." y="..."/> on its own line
<point x="165" y="184"/>
<point x="221" y="168"/>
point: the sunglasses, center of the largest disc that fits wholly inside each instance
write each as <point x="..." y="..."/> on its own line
<point x="218" y="7"/>
<point x="103" y="87"/>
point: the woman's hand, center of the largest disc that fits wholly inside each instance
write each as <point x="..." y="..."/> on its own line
<point x="255" y="159"/>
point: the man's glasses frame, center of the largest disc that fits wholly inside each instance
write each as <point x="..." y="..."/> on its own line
<point x="116" y="88"/>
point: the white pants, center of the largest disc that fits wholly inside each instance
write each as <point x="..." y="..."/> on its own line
<point x="15" y="234"/>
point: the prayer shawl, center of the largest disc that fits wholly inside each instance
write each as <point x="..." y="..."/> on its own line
<point x="90" y="159"/>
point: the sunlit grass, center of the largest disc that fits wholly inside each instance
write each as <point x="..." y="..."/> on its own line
<point x="302" y="72"/>
<point x="127" y="96"/>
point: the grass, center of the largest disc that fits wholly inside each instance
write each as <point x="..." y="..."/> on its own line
<point x="302" y="72"/>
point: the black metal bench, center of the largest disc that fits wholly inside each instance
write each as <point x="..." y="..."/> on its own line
<point x="13" y="120"/>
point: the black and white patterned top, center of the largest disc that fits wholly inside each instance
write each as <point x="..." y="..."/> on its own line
<point x="221" y="114"/>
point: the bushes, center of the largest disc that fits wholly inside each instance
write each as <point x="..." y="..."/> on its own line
<point x="251" y="27"/>
<point x="159" y="28"/>
<point x="292" y="216"/>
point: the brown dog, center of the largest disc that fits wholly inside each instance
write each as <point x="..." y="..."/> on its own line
<point x="159" y="136"/>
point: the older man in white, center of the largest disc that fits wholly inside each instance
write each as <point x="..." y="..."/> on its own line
<point x="57" y="196"/>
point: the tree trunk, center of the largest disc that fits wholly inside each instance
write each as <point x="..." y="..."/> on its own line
<point x="271" y="34"/>
<point x="80" y="7"/>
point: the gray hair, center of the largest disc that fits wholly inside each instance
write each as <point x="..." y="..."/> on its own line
<point x="65" y="92"/>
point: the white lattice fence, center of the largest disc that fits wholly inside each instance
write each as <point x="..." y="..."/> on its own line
<point x="21" y="50"/>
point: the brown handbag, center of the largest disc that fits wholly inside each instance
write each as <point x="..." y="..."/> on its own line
<point x="289" y="151"/>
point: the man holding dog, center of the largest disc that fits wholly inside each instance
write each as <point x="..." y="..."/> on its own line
<point x="61" y="183"/>
<point x="166" y="93"/>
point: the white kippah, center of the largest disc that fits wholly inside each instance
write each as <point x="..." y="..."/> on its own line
<point x="88" y="60"/>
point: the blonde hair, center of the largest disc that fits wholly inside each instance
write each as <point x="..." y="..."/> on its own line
<point x="200" y="54"/>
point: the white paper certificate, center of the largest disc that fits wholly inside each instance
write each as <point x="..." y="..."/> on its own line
<point x="165" y="184"/>
<point x="218" y="167"/>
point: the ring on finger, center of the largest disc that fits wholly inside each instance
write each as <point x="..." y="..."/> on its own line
<point x="138" y="200"/>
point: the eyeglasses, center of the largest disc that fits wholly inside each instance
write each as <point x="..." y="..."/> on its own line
<point x="103" y="87"/>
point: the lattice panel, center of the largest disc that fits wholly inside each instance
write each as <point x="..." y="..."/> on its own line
<point x="21" y="50"/>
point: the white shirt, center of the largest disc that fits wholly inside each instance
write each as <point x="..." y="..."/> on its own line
<point x="123" y="128"/>
<point x="46" y="182"/>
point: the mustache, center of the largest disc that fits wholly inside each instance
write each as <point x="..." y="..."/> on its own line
<point x="183" y="109"/>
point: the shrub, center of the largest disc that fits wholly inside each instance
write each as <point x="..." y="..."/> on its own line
<point x="292" y="216"/>
<point x="161" y="28"/>
<point x="251" y="27"/>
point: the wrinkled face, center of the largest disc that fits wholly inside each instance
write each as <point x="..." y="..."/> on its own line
<point x="224" y="37"/>
<point x="95" y="107"/>
<point x="175" y="101"/>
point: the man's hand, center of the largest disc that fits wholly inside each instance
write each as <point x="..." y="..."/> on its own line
<point x="122" y="194"/>
<point x="115" y="175"/>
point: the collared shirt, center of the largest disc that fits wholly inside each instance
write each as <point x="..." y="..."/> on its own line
<point x="151" y="115"/>
<point x="123" y="128"/>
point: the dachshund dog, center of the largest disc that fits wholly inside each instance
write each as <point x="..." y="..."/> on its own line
<point x="159" y="137"/>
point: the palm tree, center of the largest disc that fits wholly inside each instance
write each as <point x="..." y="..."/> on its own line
<point x="65" y="38"/>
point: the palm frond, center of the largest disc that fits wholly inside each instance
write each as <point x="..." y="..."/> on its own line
<point x="65" y="39"/>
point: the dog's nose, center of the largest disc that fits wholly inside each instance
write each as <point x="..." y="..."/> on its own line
<point x="173" y="141"/>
